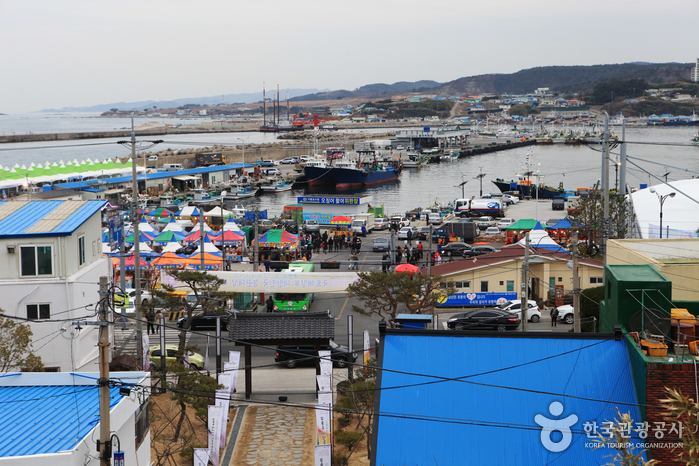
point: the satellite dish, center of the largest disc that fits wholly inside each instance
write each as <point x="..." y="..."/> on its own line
<point x="652" y="321"/>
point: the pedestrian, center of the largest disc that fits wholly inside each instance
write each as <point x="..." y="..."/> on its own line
<point x="267" y="264"/>
<point x="399" y="254"/>
<point x="325" y="247"/>
<point x="270" y="304"/>
<point x="419" y="250"/>
<point x="385" y="262"/>
<point x="158" y="320"/>
<point x="150" y="317"/>
<point x="410" y="237"/>
<point x="363" y="230"/>
<point x="338" y="242"/>
<point x="353" y="261"/>
<point x="554" y="317"/>
<point x="331" y="242"/>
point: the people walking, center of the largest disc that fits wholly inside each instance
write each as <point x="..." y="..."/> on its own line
<point x="354" y="261"/>
<point x="270" y="304"/>
<point x="554" y="317"/>
<point x="158" y="320"/>
<point x="150" y="317"/>
<point x="267" y="264"/>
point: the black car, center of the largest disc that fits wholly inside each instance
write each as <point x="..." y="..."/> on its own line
<point x="455" y="249"/>
<point x="305" y="355"/>
<point x="484" y="319"/>
<point x="423" y="233"/>
<point x="207" y="320"/>
<point x="479" y="251"/>
<point x="290" y="226"/>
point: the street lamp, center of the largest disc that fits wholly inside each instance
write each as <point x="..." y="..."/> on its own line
<point x="480" y="178"/>
<point x="243" y="141"/>
<point x="661" y="198"/>
<point x="462" y="184"/>
<point x="223" y="233"/>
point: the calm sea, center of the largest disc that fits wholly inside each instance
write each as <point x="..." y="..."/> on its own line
<point x="574" y="166"/>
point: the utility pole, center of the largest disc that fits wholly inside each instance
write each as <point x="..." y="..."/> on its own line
<point x="103" y="382"/>
<point x="350" y="345"/>
<point x="136" y="240"/>
<point x="524" y="296"/>
<point x="576" y="285"/>
<point x="201" y="236"/>
<point x="256" y="251"/>
<point x="622" y="159"/>
<point x="605" y="175"/>
<point x="429" y="252"/>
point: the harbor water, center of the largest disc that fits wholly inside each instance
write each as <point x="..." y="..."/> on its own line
<point x="573" y="166"/>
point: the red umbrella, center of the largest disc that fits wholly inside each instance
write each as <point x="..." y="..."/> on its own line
<point x="410" y="268"/>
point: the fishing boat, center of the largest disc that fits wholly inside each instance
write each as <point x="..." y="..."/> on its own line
<point x="278" y="187"/>
<point x="239" y="191"/>
<point x="343" y="174"/>
<point x="414" y="161"/>
<point x="695" y="139"/>
<point x="523" y="183"/>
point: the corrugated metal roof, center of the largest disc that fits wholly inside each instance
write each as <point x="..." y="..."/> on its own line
<point x="478" y="424"/>
<point x="45" y="218"/>
<point x="48" y="419"/>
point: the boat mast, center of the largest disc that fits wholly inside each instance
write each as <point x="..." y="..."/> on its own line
<point x="264" y="106"/>
<point x="278" y="107"/>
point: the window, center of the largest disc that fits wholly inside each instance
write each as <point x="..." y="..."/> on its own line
<point x="510" y="285"/>
<point x="502" y="283"/>
<point x="484" y="287"/>
<point x="560" y="279"/>
<point x="81" y="250"/>
<point x="35" y="261"/>
<point x="466" y="284"/>
<point x="38" y="311"/>
<point x="596" y="281"/>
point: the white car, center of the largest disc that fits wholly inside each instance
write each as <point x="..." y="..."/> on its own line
<point x="492" y="231"/>
<point x="130" y="309"/>
<point x="515" y="307"/>
<point x="403" y="233"/>
<point x="512" y="199"/>
<point x="289" y="160"/>
<point x="566" y="314"/>
<point x="272" y="172"/>
<point x="505" y="222"/>
<point x="401" y="221"/>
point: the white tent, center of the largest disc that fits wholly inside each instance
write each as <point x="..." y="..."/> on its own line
<point x="230" y="225"/>
<point x="171" y="247"/>
<point x="172" y="225"/>
<point x="218" y="212"/>
<point x="680" y="219"/>
<point x="209" y="247"/>
<point x="145" y="226"/>
<point x="539" y="238"/>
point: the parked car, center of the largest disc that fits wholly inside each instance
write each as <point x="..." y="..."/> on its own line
<point x="565" y="313"/>
<point x="381" y="224"/>
<point x="196" y="360"/>
<point x="515" y="307"/>
<point x="484" y="319"/>
<point x="492" y="231"/>
<point x="552" y="221"/>
<point x="479" y="251"/>
<point x="272" y="172"/>
<point x="381" y="244"/>
<point x="505" y="222"/>
<point x="455" y="249"/>
<point x="290" y="160"/>
<point x="512" y="199"/>
<point x="485" y="222"/>
<point x="265" y="163"/>
<point x="400" y="148"/>
<point x="207" y="320"/>
<point x="305" y="355"/>
<point x="403" y="233"/>
<point x="311" y="226"/>
<point x="400" y="221"/>
<point x="290" y="225"/>
<point x="423" y="233"/>
<point x="267" y="224"/>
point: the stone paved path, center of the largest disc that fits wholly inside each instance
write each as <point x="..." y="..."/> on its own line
<point x="276" y="437"/>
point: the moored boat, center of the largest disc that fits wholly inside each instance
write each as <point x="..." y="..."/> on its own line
<point x="278" y="187"/>
<point x="344" y="174"/>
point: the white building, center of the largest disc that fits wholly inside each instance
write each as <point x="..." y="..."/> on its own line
<point x="52" y="256"/>
<point x="695" y="72"/>
<point x="53" y="419"/>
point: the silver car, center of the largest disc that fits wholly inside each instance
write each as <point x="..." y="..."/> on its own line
<point x="381" y="224"/>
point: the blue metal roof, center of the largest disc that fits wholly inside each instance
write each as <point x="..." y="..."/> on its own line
<point x="17" y="223"/>
<point x="48" y="419"/>
<point x="153" y="176"/>
<point x="447" y="421"/>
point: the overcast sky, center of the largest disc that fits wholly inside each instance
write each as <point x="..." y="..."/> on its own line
<point x="79" y="53"/>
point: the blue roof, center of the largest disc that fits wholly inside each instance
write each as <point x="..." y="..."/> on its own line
<point x="153" y="176"/>
<point x="430" y="421"/>
<point x="48" y="419"/>
<point x="20" y="221"/>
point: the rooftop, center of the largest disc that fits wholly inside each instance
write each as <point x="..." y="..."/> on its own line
<point x="44" y="218"/>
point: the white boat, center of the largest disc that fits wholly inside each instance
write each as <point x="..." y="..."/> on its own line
<point x="276" y="187"/>
<point x="240" y="192"/>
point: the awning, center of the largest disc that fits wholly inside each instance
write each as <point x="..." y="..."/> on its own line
<point x="185" y="178"/>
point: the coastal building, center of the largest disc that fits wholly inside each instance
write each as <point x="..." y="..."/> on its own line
<point x="52" y="256"/>
<point x="695" y="72"/>
<point x="54" y="418"/>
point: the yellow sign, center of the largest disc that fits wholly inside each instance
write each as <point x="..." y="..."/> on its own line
<point x="121" y="300"/>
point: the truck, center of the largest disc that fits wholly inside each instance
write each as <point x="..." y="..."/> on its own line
<point x="462" y="207"/>
<point x="465" y="231"/>
<point x="487" y="207"/>
<point x="210" y="158"/>
<point x="362" y="220"/>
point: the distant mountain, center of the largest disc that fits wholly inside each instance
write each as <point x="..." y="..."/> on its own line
<point x="564" y="78"/>
<point x="371" y="90"/>
<point x="228" y="98"/>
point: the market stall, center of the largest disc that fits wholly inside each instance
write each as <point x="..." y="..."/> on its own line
<point x="278" y="245"/>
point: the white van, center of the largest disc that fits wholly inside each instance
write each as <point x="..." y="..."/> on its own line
<point x="171" y="167"/>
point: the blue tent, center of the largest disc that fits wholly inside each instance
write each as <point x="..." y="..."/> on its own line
<point x="562" y="224"/>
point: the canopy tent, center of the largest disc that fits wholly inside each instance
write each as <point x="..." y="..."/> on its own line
<point x="172" y="246"/>
<point x="169" y="260"/>
<point x="229" y="238"/>
<point x="524" y="224"/>
<point x="143" y="225"/>
<point x="211" y="261"/>
<point x="161" y="212"/>
<point x="172" y="225"/>
<point x="340" y="220"/>
<point x="230" y="225"/>
<point x="194" y="236"/>
<point x="168" y="237"/>
<point x="562" y="224"/>
<point x="218" y="212"/>
<point x="208" y="246"/>
<point x="189" y="211"/>
<point x="130" y="262"/>
<point x="538" y="238"/>
<point x="276" y="238"/>
<point x="142" y="236"/>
